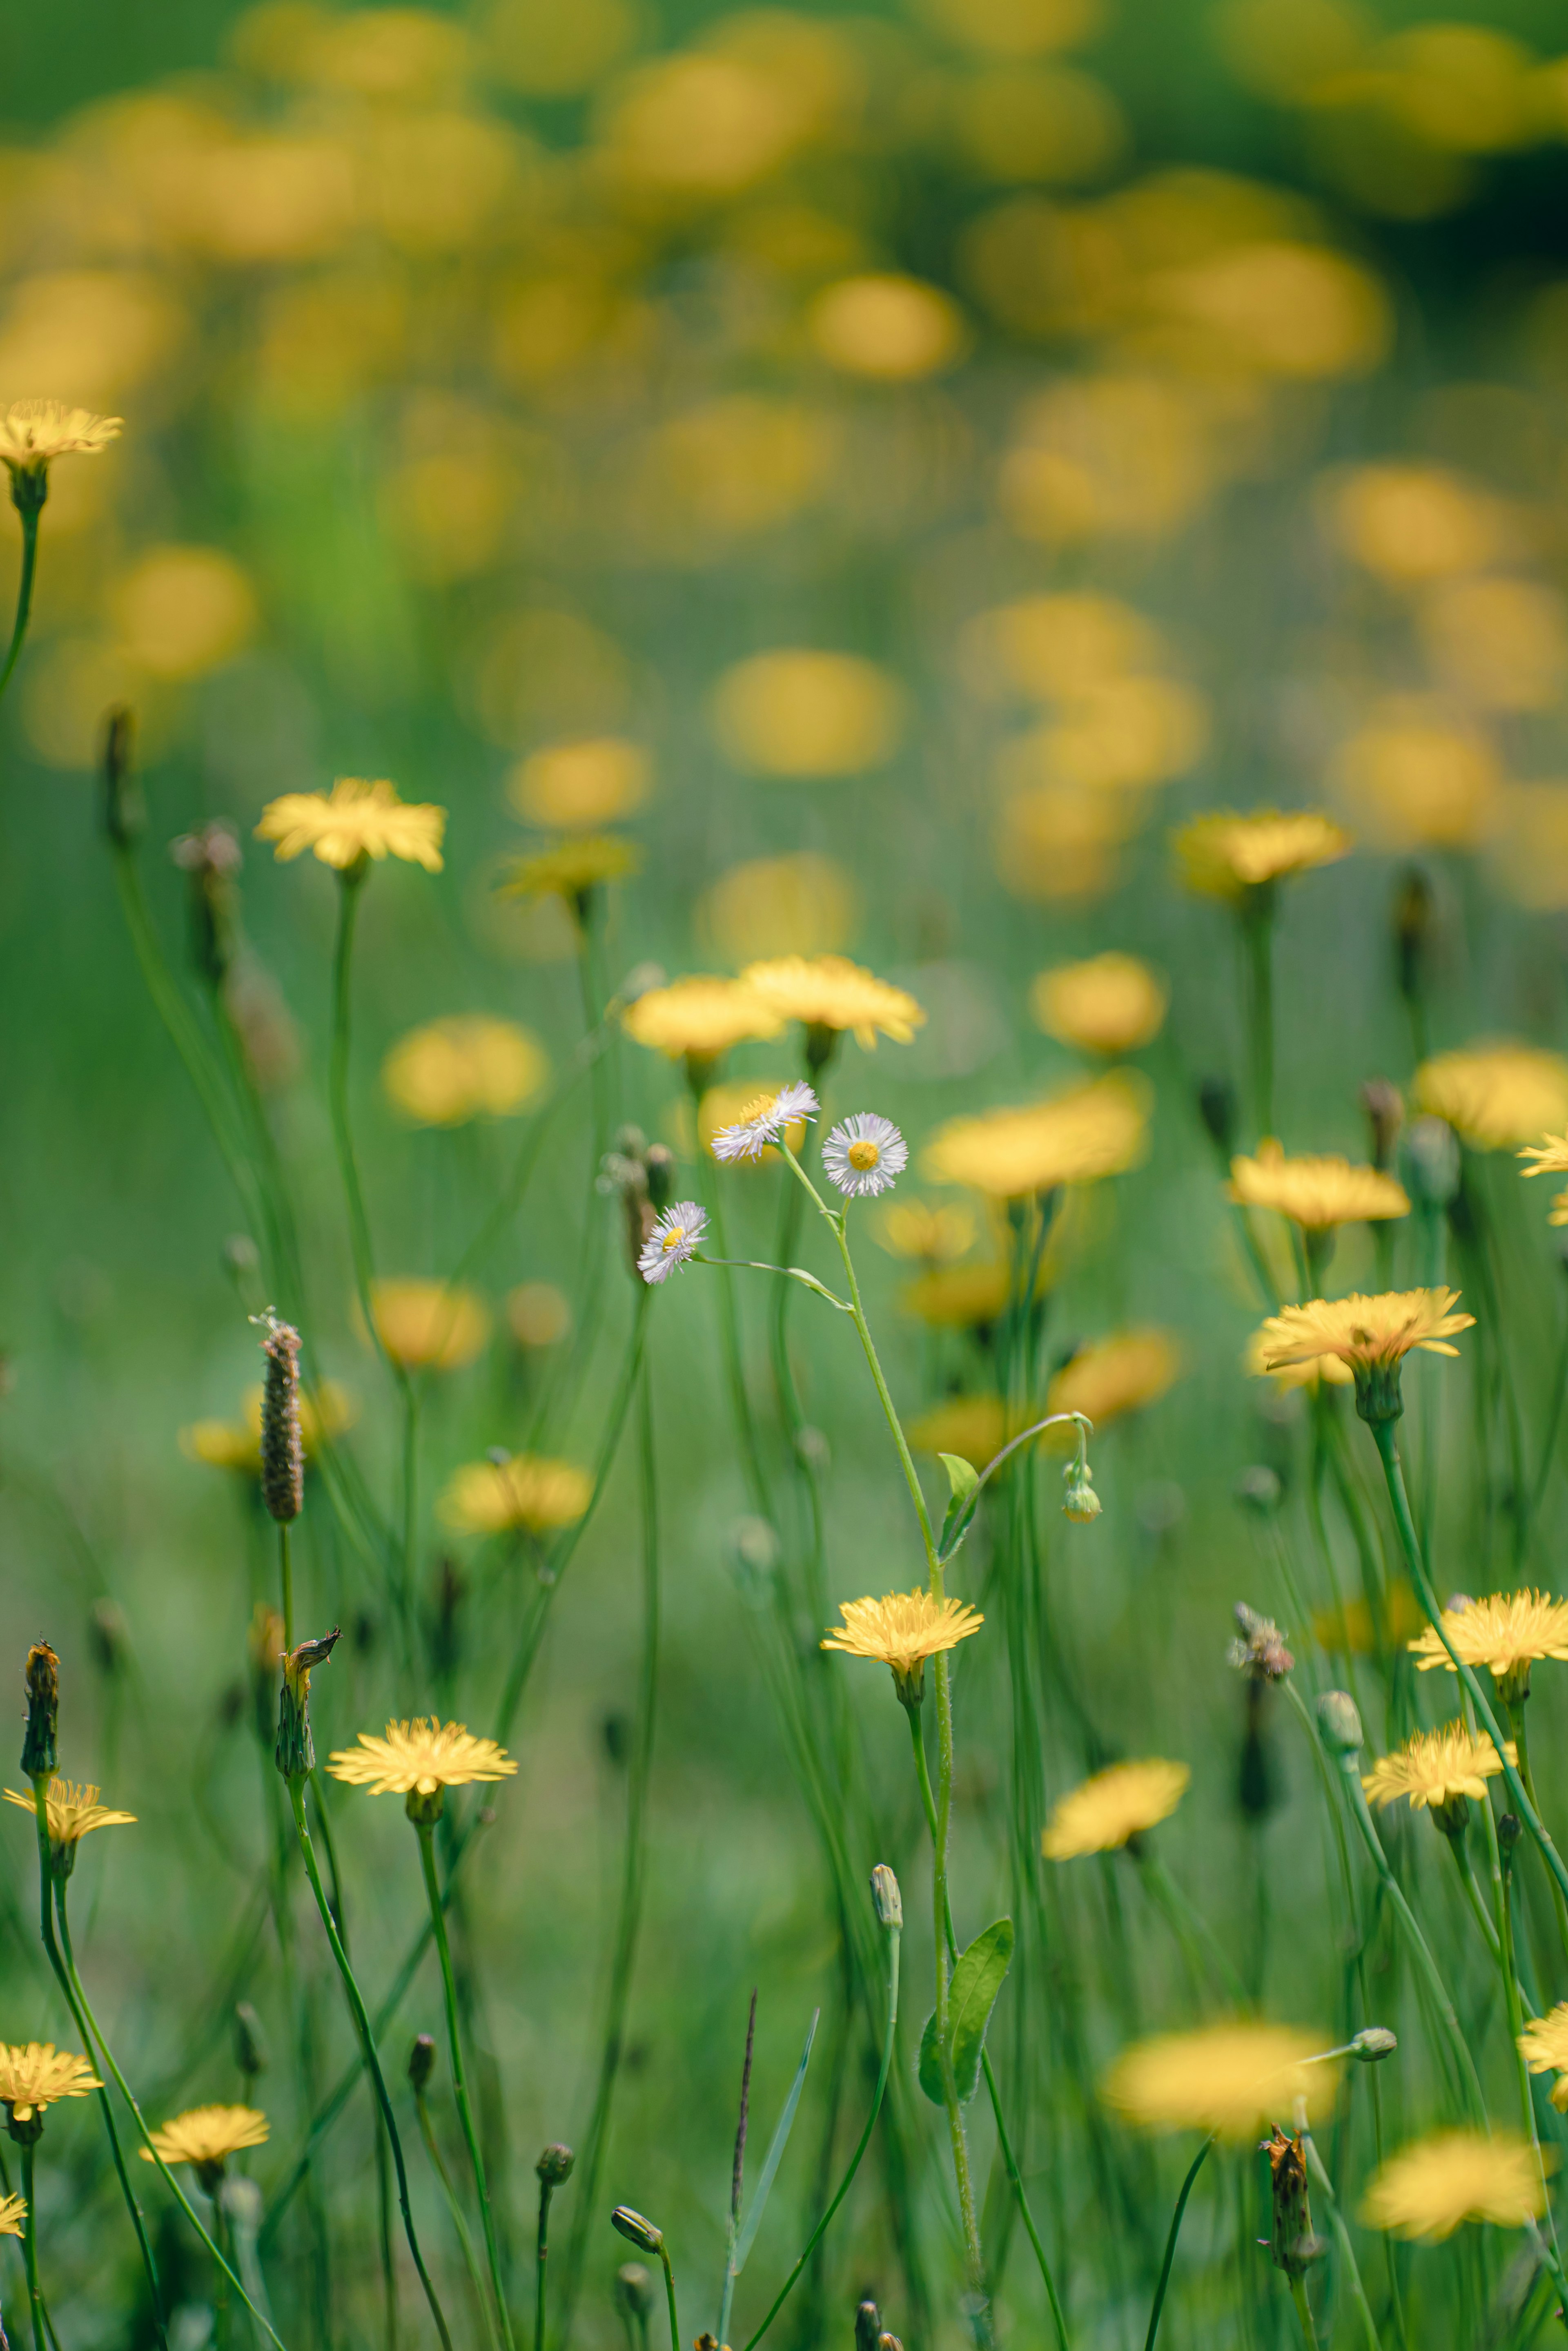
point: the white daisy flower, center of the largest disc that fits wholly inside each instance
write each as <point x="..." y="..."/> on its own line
<point x="675" y="1237"/>
<point x="864" y="1153"/>
<point x="763" y="1121"/>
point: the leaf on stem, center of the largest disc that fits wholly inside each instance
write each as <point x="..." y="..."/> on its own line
<point x="976" y="1983"/>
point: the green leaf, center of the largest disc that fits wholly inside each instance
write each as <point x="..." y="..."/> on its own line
<point x="964" y="1479"/>
<point x="774" y="2157"/>
<point x="977" y="1981"/>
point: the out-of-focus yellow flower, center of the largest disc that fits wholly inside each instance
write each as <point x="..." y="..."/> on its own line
<point x="73" y="1811"/>
<point x="1544" y="2042"/>
<point x="105" y="331"/>
<point x="324" y="1413"/>
<point x="1287" y="50"/>
<point x="1504" y="1632"/>
<point x="1232" y="2079"/>
<point x="728" y="1105"/>
<point x="541" y="672"/>
<point x="1460" y="87"/>
<point x="806" y="713"/>
<point x="1435" y="1767"/>
<point x="1502" y="643"/>
<point x="1297" y="311"/>
<point x="1417" y="776"/>
<point x="205" y="2137"/>
<point x="572" y="869"/>
<point x="527" y="1492"/>
<point x="1531" y="845"/>
<point x="578" y="786"/>
<point x="537" y="1315"/>
<point x="1317" y="1193"/>
<point x="700" y="1017"/>
<point x="1350" y="1633"/>
<point x="387" y="53"/>
<point x="355" y="820"/>
<point x="727" y="469"/>
<point x="892" y="330"/>
<point x="1224" y="855"/>
<point x="773" y="906"/>
<point x="433" y="182"/>
<point x="470" y="1066"/>
<point x="1114" y="1375"/>
<point x="1411" y="525"/>
<point x="1495" y="1096"/>
<point x="1058" y="842"/>
<point x="180" y="612"/>
<point x="1050" y="648"/>
<point x="1305" y="1374"/>
<point x="1114" y="456"/>
<point x="1110" y="1004"/>
<point x="34" y="432"/>
<point x="959" y="1297"/>
<point x="1426" y="2191"/>
<point x="546" y="51"/>
<point x="1050" y="124"/>
<point x="1106" y="1812"/>
<point x="706" y="125"/>
<point x="418" y="1757"/>
<point x="35" y="2074"/>
<point x="427" y="1325"/>
<point x="829" y="992"/>
<point x="1121" y="735"/>
<point x="1016" y="28"/>
<point x="1075" y="1137"/>
<point x="937" y="1232"/>
<point x="1367" y="1334"/>
<point x="976" y="1426"/>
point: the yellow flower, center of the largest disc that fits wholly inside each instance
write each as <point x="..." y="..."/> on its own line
<point x="355" y="820"/>
<point x="577" y="787"/>
<point x="425" y="1326"/>
<point x="977" y="1427"/>
<point x="13" y="2217"/>
<point x="1317" y="1193"/>
<point x="700" y="1016"/>
<point x="418" y="1757"/>
<point x="33" y="433"/>
<point x="1367" y="1334"/>
<point x="571" y="869"/>
<point x="1106" y="1810"/>
<point x="537" y="1315"/>
<point x="236" y="1445"/>
<point x="1435" y="1767"/>
<point x="1544" y="2042"/>
<point x="1111" y="1004"/>
<point x="922" y="1228"/>
<point x="1550" y="1155"/>
<point x="1495" y="1096"/>
<point x="35" y="2074"/>
<point x="1504" y="1632"/>
<point x="73" y="1811"/>
<point x="1228" y="2078"/>
<point x="1224" y="855"/>
<point x="1350" y="1634"/>
<point x="1292" y="1375"/>
<point x="1088" y="1130"/>
<point x="829" y="992"/>
<point x="470" y="1066"/>
<point x="206" y="2137"/>
<point x="959" y="1297"/>
<point x="1427" y="2189"/>
<point x="902" y="1630"/>
<point x="486" y="1497"/>
<point x="1110" y="1376"/>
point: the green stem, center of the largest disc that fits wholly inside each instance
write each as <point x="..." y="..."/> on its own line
<point x="1484" y="1927"/>
<point x="464" y="2237"/>
<point x="30" y="2248"/>
<point x="1347" y="2250"/>
<point x="286" y="1572"/>
<point x="541" y="2263"/>
<point x="669" y="2297"/>
<point x="24" y="589"/>
<point x="459" y="2076"/>
<point x="1304" y="2311"/>
<point x="1177" y="2217"/>
<point x="1521" y="1742"/>
<point x="1190" y="1929"/>
<point x="1258" y="934"/>
<point x="1508" y="1963"/>
<point x="367" y="2047"/>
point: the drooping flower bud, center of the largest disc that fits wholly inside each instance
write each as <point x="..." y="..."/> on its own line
<point x="636" y="2229"/>
<point x="1373" y="2044"/>
<point x="1079" y="1499"/>
<point x="422" y="2064"/>
<point x="295" y="1753"/>
<point x="40" y="1744"/>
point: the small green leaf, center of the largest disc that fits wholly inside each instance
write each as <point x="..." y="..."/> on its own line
<point x="964" y="1479"/>
<point x="977" y="1979"/>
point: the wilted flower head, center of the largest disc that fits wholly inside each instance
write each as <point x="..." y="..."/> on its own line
<point x="1224" y="855"/>
<point x="1495" y="1096"/>
<point x="1113" y="1807"/>
<point x="762" y="1119"/>
<point x="1089" y="1130"/>
<point x="676" y="1237"/>
<point x="1505" y="1632"/>
<point x="1259" y="1651"/>
<point x="902" y="1630"/>
<point x="1232" y="2079"/>
<point x="1111" y="1004"/>
<point x="35" y="2074"/>
<point x="1428" y="2188"/>
<point x="34" y="432"/>
<point x="1317" y="1193"/>
<point x="829" y="992"/>
<point x="206" y="2137"/>
<point x="355" y="822"/>
<point x="865" y="1154"/>
<point x="524" y="1490"/>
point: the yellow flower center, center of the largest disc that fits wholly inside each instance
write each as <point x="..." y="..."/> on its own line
<point x="864" y="1153"/>
<point x="674" y="1237"/>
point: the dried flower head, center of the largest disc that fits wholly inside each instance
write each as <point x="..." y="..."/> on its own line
<point x="901" y="1631"/>
<point x="677" y="1236"/>
<point x="294" y="1751"/>
<point x="1111" y="1004"/>
<point x="762" y="1119"/>
<point x="527" y="1491"/>
<point x="1371" y="1336"/>
<point x="355" y="822"/>
<point x="1224" y="855"/>
<point x="1505" y="1632"/>
<point x="1428" y="2188"/>
<point x="829" y="992"/>
<point x="1232" y="2079"/>
<point x="1495" y="1096"/>
<point x="420" y="1757"/>
<point x="206" y="2137"/>
<point x="35" y="2074"/>
<point x="865" y="1154"/>
<point x="470" y="1066"/>
<point x="1089" y="1130"/>
<point x="34" y="432"/>
<point x="429" y="1326"/>
<point x="1259" y="1650"/>
<point x="41" y="1678"/>
<point x="572" y="870"/>
<point x="700" y="1017"/>
<point x="1317" y="1193"/>
<point x="1435" y="1767"/>
<point x="1113" y="1807"/>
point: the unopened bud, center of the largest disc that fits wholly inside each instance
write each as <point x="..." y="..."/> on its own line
<point x="250" y="2041"/>
<point x="295" y="1753"/>
<point x="888" y="2343"/>
<point x="282" y="1448"/>
<point x="422" y="2064"/>
<point x="867" y="2326"/>
<point x="40" y="1744"/>
<point x="1510" y="1829"/>
<point x="886" y="1896"/>
<point x="1258" y="1488"/>
<point x="634" y="2289"/>
<point x="658" y="1166"/>
<point x="1432" y="1161"/>
<point x="1385" y="1107"/>
<point x="1079" y="1499"/>
<point x="1412" y="924"/>
<point x="1373" y="2044"/>
<point x="1340" y="1722"/>
<point x="636" y="2229"/>
<point x="554" y="2165"/>
<point x="122" y="812"/>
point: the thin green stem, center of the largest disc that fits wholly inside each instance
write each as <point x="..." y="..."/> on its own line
<point x="1521" y="1742"/>
<point x="29" y="515"/>
<point x="465" y="2236"/>
<point x="1199" y="2160"/>
<point x="30" y="2247"/>
<point x="541" y="2260"/>
<point x="669" y="2296"/>
<point x="1190" y="1929"/>
<point x="1508" y="1965"/>
<point x="285" y="1576"/>
<point x="1304" y="2309"/>
<point x="367" y="2047"/>
<point x="1347" y="2249"/>
<point x="1258" y="936"/>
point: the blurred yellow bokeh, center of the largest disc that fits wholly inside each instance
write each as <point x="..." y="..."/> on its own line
<point x="807" y="714"/>
<point x="182" y="611"/>
<point x="579" y="786"/>
<point x="1419" y="775"/>
<point x="470" y="1065"/>
<point x="892" y="330"/>
<point x="804" y="904"/>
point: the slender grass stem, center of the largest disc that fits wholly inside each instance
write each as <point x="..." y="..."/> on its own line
<point x="30" y="2247"/>
<point x="1191" y="1930"/>
<point x="1507" y="1966"/>
<point x="29" y="515"/>
<point x="459" y="2224"/>
<point x="368" y="2046"/>
<point x="1521" y="1740"/>
<point x="1258" y="940"/>
<point x="1180" y="2214"/>
<point x="669" y="2297"/>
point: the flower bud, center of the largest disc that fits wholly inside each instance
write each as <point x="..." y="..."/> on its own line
<point x="1385" y="1107"/>
<point x="1374" y="2043"/>
<point x="554" y="2165"/>
<point x="422" y="2064"/>
<point x="40" y="1744"/>
<point x="1432" y="1161"/>
<point x="1340" y="1722"/>
<point x="295" y="1753"/>
<point x="1079" y="1499"/>
<point x="1510" y="1829"/>
<point x="250" y="2041"/>
<point x="634" y="2289"/>
<point x="636" y="2229"/>
<point x="122" y="812"/>
<point x="282" y="1448"/>
<point x="867" y="2326"/>
<point x="886" y="1896"/>
<point x="888" y="2343"/>
<point x="108" y="1636"/>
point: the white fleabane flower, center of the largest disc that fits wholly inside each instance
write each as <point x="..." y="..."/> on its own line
<point x="674" y="1238"/>
<point x="763" y="1121"/>
<point x="864" y="1155"/>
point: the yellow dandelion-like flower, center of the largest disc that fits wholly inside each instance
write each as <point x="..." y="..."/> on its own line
<point x="828" y="991"/>
<point x="537" y="1314"/>
<point x="1495" y="1097"/>
<point x="935" y="1233"/>
<point x="1427" y="2189"/>
<point x="427" y="1325"/>
<point x="207" y="2136"/>
<point x="222" y="1445"/>
<point x="355" y="820"/>
<point x="1326" y="1368"/>
<point x="35" y="2074"/>
<point x="1111" y="1004"/>
<point x="1114" y="1376"/>
<point x="1366" y="1333"/>
<point x="700" y="1016"/>
<point x="417" y="1758"/>
<point x="1103" y="1812"/>
<point x="1232" y="2079"/>
<point x="1317" y="1193"/>
<point x="33" y="433"/>
<point x="1225" y="855"/>
<point x="578" y="786"/>
<point x="528" y="1492"/>
<point x="1544" y="2042"/>
<point x="571" y="869"/>
<point x="1086" y="1132"/>
<point x="1550" y="1155"/>
<point x="1434" y="1768"/>
<point x="1505" y="1632"/>
<point x="73" y="1811"/>
<point x="903" y="1630"/>
<point x="470" y="1066"/>
<point x="13" y="2217"/>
